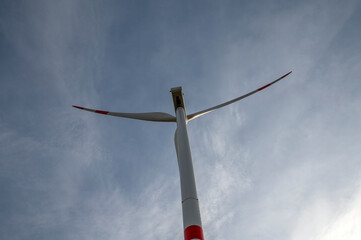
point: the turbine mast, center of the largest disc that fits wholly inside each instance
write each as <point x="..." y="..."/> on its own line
<point x="191" y="215"/>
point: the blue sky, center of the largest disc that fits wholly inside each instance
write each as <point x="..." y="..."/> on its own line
<point x="281" y="164"/>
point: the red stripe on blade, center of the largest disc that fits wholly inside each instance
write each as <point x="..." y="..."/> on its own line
<point x="193" y="232"/>
<point x="259" y="89"/>
<point x="78" y="107"/>
<point x="101" y="112"/>
<point x="286" y="74"/>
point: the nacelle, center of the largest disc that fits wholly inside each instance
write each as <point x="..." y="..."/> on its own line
<point x="178" y="99"/>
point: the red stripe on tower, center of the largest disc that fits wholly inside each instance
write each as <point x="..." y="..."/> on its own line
<point x="193" y="232"/>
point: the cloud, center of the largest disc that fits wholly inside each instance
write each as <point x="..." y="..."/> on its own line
<point x="280" y="164"/>
<point x="322" y="219"/>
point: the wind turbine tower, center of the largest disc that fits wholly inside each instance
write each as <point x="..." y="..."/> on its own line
<point x="192" y="223"/>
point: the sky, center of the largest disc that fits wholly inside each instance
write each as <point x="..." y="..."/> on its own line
<point x="282" y="164"/>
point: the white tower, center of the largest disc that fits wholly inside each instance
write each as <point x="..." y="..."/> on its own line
<point x="191" y="215"/>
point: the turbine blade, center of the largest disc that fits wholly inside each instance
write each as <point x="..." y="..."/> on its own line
<point x="149" y="116"/>
<point x="200" y="113"/>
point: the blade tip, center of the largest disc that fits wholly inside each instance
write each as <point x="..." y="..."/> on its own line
<point x="287" y="74"/>
<point x="78" y="107"/>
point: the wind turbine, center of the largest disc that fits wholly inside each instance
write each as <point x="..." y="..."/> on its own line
<point x="192" y="223"/>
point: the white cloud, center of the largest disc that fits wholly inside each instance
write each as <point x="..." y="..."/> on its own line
<point x="322" y="219"/>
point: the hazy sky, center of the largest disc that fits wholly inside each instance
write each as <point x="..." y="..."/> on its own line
<point x="283" y="164"/>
